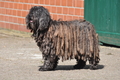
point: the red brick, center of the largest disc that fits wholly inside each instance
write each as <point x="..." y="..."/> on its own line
<point x="2" y="24"/>
<point x="52" y="2"/>
<point x="23" y="1"/>
<point x="59" y="10"/>
<point x="15" y="27"/>
<point x="75" y="17"/>
<point x="30" y="1"/>
<point x="60" y="17"/>
<point x="26" y="1"/>
<point x="72" y="11"/>
<point x="4" y="11"/>
<point x="25" y="6"/>
<point x="51" y="15"/>
<point x="20" y="6"/>
<point x="6" y="5"/>
<point x="22" y="28"/>
<point x="20" y="21"/>
<point x="65" y="10"/>
<point x="82" y="12"/>
<point x="5" y="18"/>
<point x="16" y="0"/>
<point x="32" y="5"/>
<point x="58" y="2"/>
<point x="11" y="19"/>
<point x="11" y="26"/>
<point x="16" y="5"/>
<point x="14" y="12"/>
<point x="7" y="11"/>
<point x="11" y="5"/>
<point x="64" y="2"/>
<point x="78" y="3"/>
<point x="81" y="17"/>
<point x="77" y="11"/>
<point x="28" y="7"/>
<point x="6" y="25"/>
<point x="47" y="2"/>
<point x="69" y="18"/>
<point x="53" y="9"/>
<point x="36" y="1"/>
<point x="19" y="13"/>
<point x="24" y="21"/>
<point x="0" y="10"/>
<point x="15" y="19"/>
<point x="82" y="5"/>
<point x="54" y="17"/>
<point x="41" y="1"/>
<point x="48" y="8"/>
<point x="2" y="17"/>
<point x="69" y="2"/>
<point x="11" y="12"/>
<point x="24" y="13"/>
<point x="2" y="4"/>
<point x="65" y="18"/>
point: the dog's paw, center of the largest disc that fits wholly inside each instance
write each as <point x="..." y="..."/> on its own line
<point x="45" y="69"/>
<point x="42" y="69"/>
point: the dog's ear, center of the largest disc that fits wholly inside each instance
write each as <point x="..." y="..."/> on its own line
<point x="27" y="21"/>
<point x="44" y="19"/>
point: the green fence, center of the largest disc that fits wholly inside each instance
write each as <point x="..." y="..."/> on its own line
<point x="105" y="16"/>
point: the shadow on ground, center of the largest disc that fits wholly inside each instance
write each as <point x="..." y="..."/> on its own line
<point x="70" y="67"/>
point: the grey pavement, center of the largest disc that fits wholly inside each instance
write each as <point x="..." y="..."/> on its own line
<point x="20" y="59"/>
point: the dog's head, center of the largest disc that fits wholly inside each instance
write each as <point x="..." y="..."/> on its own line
<point x="38" y="18"/>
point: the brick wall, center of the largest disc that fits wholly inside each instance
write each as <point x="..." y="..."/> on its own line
<point x="13" y="12"/>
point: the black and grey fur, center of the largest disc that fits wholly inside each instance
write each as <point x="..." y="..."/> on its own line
<point x="75" y="39"/>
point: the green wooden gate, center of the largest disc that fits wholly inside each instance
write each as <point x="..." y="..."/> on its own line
<point x="105" y="16"/>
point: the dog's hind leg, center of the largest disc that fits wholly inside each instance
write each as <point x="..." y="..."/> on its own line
<point x="50" y="63"/>
<point x="80" y="64"/>
<point x="93" y="64"/>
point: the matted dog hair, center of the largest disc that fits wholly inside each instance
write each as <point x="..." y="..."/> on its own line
<point x="67" y="39"/>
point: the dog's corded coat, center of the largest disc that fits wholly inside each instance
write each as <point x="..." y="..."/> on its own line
<point x="73" y="39"/>
<point x="67" y="39"/>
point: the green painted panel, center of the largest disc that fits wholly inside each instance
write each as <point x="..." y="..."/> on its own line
<point x="105" y="16"/>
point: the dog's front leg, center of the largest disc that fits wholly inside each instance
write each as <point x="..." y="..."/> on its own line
<point x="50" y="63"/>
<point x="46" y="66"/>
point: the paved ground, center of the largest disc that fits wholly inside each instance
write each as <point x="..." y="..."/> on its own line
<point x="20" y="59"/>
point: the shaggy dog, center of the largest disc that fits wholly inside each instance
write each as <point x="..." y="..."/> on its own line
<point x="75" y="39"/>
